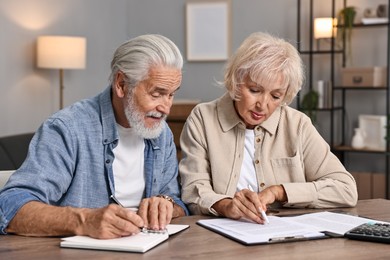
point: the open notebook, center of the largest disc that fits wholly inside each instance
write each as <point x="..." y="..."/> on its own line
<point x="139" y="243"/>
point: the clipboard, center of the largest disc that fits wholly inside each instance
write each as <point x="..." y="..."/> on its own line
<point x="304" y="227"/>
<point x="219" y="226"/>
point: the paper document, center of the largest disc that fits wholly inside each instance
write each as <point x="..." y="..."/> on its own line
<point x="336" y="223"/>
<point x="140" y="243"/>
<point x="284" y="229"/>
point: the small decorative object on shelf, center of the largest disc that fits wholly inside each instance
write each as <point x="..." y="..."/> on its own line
<point x="381" y="11"/>
<point x="372" y="16"/>
<point x="369" y="13"/>
<point x="324" y="89"/>
<point x="358" y="139"/>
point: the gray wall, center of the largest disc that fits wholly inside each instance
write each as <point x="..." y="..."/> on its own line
<point x="29" y="95"/>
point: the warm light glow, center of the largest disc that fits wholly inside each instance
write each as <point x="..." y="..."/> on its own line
<point x="61" y="52"/>
<point x="34" y="15"/>
<point x="323" y="27"/>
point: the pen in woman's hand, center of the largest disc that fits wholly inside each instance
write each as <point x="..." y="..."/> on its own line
<point x="262" y="212"/>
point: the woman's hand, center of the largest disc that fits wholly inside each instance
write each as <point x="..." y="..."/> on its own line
<point x="248" y="204"/>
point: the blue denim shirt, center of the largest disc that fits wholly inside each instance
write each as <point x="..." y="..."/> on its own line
<point x="69" y="162"/>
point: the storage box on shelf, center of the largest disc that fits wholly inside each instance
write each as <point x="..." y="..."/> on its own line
<point x="364" y="77"/>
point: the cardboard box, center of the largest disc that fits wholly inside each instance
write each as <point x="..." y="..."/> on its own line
<point x="370" y="185"/>
<point x="364" y="77"/>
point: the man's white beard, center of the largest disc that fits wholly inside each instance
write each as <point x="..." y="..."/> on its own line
<point x="137" y="122"/>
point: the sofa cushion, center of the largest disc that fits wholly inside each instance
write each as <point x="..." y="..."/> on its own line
<point x="5" y="161"/>
<point x="13" y="150"/>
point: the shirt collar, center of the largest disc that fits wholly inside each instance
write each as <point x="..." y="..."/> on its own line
<point x="228" y="117"/>
<point x="110" y="133"/>
<point x="271" y="124"/>
<point x="227" y="114"/>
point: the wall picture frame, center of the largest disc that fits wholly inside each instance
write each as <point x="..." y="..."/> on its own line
<point x="208" y="34"/>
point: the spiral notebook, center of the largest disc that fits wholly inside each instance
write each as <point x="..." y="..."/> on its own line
<point x="139" y="243"/>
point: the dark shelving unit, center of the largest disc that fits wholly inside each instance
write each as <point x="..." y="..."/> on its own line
<point x="340" y="147"/>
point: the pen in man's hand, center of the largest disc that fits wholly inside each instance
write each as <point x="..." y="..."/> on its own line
<point x="143" y="229"/>
<point x="262" y="212"/>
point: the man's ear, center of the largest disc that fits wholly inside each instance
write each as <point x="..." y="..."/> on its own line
<point x="120" y="84"/>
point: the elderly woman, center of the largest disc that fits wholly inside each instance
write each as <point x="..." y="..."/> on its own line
<point x="248" y="149"/>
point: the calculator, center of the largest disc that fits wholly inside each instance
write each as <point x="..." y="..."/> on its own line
<point x="371" y="231"/>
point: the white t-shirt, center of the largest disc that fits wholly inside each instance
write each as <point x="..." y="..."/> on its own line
<point x="248" y="172"/>
<point x="128" y="168"/>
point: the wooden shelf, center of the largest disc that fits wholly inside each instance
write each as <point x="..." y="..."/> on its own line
<point x="359" y="88"/>
<point x="346" y="148"/>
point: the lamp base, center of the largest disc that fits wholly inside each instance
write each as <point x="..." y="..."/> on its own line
<point x="61" y="88"/>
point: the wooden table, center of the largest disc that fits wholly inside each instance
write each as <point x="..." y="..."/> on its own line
<point x="200" y="243"/>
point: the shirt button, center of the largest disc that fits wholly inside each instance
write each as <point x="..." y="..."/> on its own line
<point x="257" y="162"/>
<point x="258" y="140"/>
<point x="108" y="161"/>
<point x="258" y="128"/>
<point x="262" y="184"/>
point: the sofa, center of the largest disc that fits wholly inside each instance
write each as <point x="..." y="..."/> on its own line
<point x="13" y="150"/>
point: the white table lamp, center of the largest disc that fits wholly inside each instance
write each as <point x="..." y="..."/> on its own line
<point x="61" y="52"/>
<point x="323" y="28"/>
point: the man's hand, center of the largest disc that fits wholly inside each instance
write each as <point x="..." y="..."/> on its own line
<point x="110" y="222"/>
<point x="156" y="212"/>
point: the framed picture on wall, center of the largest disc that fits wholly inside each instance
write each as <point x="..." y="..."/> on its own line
<point x="208" y="30"/>
<point x="374" y="127"/>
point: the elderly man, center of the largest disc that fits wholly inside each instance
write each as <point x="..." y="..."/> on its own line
<point x="104" y="167"/>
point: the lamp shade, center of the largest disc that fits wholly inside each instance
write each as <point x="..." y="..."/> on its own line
<point x="323" y="27"/>
<point x="61" y="52"/>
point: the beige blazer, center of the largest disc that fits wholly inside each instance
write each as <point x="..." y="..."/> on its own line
<point x="288" y="151"/>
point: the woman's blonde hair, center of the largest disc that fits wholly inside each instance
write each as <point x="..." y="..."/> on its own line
<point x="265" y="59"/>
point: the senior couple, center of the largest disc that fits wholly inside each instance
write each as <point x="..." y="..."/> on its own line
<point x="242" y="153"/>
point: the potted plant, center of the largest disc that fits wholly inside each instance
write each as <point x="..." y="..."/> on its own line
<point x="309" y="104"/>
<point x="346" y="16"/>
